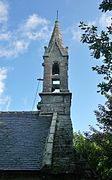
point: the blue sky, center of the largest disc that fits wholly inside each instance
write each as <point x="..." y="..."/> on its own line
<point x="25" y="28"/>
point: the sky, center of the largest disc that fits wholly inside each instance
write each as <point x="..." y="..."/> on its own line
<point x="25" y="28"/>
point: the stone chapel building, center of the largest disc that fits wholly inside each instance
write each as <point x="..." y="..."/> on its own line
<point x="38" y="145"/>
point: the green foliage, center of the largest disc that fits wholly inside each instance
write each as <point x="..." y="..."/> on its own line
<point x="88" y="149"/>
<point x="106" y="5"/>
<point x="104" y="115"/>
<point x="96" y="146"/>
<point x="100" y="45"/>
<point x="97" y="150"/>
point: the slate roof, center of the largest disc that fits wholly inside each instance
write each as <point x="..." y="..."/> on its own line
<point x="22" y="140"/>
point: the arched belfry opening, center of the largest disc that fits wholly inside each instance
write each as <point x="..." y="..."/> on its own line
<point x="55" y="77"/>
<point x="55" y="69"/>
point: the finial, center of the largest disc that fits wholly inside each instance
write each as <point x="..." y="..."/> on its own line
<point x="57" y="16"/>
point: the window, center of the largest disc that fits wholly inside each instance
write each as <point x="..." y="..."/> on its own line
<point x="55" y="69"/>
<point x="56" y="82"/>
<point x="55" y="85"/>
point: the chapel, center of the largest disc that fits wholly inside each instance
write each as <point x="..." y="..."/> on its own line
<point x="37" y="145"/>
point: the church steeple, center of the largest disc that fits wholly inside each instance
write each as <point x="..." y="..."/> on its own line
<point x="56" y="98"/>
<point x="55" y="74"/>
<point x="56" y="35"/>
<point x="55" y="63"/>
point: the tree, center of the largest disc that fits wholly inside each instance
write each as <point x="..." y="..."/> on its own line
<point x="96" y="146"/>
<point x="101" y="47"/>
<point x="96" y="149"/>
<point x="104" y="115"/>
<point x="106" y="5"/>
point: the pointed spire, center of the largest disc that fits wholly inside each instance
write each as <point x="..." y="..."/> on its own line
<point x="57" y="16"/>
<point x="56" y="35"/>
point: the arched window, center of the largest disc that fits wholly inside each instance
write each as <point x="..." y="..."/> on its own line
<point x="55" y="69"/>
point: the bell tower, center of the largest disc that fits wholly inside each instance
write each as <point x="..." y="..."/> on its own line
<point x="56" y="98"/>
<point x="56" y="64"/>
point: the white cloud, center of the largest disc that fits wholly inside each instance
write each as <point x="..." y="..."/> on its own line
<point x="91" y="23"/>
<point x="102" y="22"/>
<point x="5" y="103"/>
<point x="35" y="28"/>
<point x="4" y="100"/>
<point x="76" y="34"/>
<point x="3" y="75"/>
<point x="19" y="46"/>
<point x="13" y="43"/>
<point x="3" y="11"/>
<point x="105" y="20"/>
<point x="33" y="21"/>
<point x="14" y="48"/>
<point x="41" y="34"/>
<point x="4" y="36"/>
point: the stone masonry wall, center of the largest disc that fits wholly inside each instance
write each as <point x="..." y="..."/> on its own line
<point x="62" y="155"/>
<point x="49" y="59"/>
<point x="63" y="145"/>
<point x="55" y="102"/>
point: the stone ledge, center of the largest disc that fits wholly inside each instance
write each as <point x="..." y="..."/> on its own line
<point x="19" y="112"/>
<point x="56" y="94"/>
<point x="47" y="157"/>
